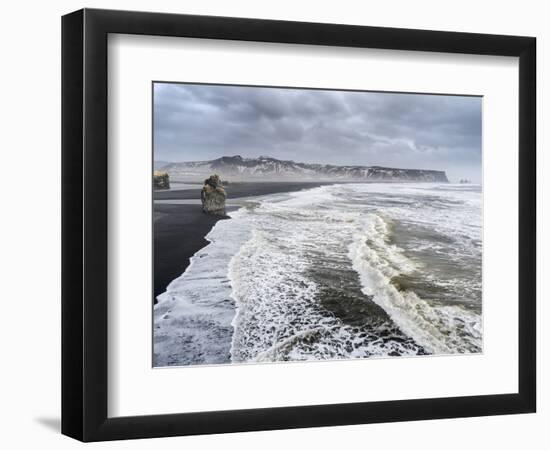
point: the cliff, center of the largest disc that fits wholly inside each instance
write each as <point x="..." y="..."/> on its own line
<point x="237" y="168"/>
<point x="161" y="180"/>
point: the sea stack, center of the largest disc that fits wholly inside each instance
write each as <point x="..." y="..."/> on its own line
<point x="161" y="180"/>
<point x="213" y="196"/>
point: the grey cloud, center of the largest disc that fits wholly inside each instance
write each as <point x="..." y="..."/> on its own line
<point x="199" y="122"/>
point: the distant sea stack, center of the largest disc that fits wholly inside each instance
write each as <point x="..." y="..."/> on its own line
<point x="161" y="180"/>
<point x="265" y="168"/>
<point x="213" y="196"/>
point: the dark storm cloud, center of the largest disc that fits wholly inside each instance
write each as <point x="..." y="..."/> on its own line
<point x="201" y="122"/>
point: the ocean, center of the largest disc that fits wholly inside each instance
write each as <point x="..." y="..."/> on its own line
<point x="334" y="272"/>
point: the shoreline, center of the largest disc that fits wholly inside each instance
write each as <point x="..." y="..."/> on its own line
<point x="180" y="228"/>
<point x="242" y="189"/>
<point x="220" y="308"/>
<point x="178" y="233"/>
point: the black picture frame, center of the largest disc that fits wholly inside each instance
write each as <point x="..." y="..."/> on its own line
<point x="84" y="224"/>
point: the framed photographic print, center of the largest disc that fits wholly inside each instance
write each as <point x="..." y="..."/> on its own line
<point x="272" y="224"/>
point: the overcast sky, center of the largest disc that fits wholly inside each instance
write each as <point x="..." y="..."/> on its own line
<point x="202" y="122"/>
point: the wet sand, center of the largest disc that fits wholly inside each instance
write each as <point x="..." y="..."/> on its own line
<point x="179" y="229"/>
<point x="236" y="190"/>
<point x="179" y="232"/>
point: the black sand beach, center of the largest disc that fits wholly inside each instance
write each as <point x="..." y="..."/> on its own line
<point x="179" y="230"/>
<point x="242" y="189"/>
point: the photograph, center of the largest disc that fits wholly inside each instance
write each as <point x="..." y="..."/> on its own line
<point x="298" y="224"/>
<point x="275" y="225"/>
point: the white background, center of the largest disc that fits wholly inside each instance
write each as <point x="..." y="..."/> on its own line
<point x="136" y="389"/>
<point x="30" y="235"/>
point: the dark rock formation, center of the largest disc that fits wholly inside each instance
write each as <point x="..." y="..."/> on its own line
<point x="213" y="196"/>
<point x="161" y="180"/>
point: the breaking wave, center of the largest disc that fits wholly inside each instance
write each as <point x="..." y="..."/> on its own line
<point x="335" y="272"/>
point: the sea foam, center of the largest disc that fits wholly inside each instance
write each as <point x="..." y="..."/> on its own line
<point x="192" y="319"/>
<point x="439" y="329"/>
<point x="335" y="272"/>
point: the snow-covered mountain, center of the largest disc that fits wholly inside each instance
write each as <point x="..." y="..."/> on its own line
<point x="237" y="168"/>
<point x="160" y="164"/>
